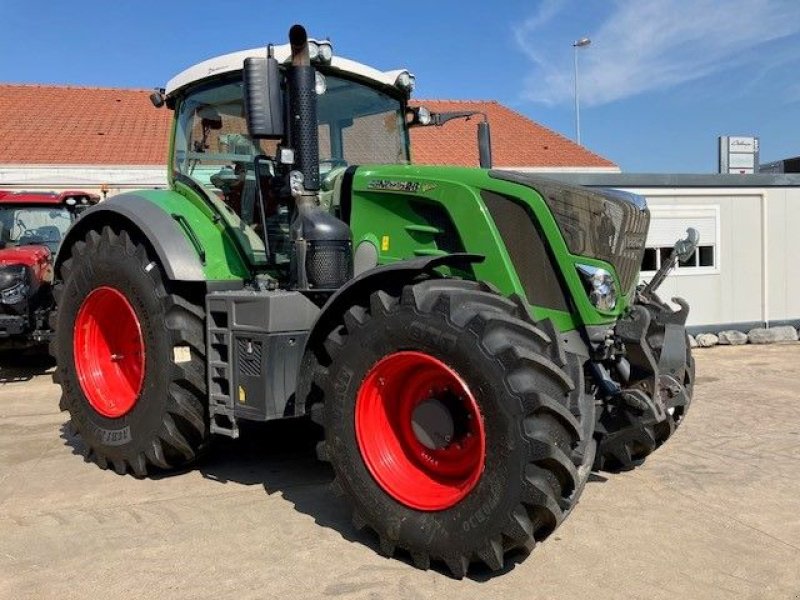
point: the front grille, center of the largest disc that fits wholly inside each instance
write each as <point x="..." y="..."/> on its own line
<point x="527" y="250"/>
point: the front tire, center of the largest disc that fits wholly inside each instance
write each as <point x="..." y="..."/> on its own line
<point x="459" y="430"/>
<point x="130" y="356"/>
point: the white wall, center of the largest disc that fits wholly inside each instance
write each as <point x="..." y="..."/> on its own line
<point x="753" y="281"/>
<point x="90" y="178"/>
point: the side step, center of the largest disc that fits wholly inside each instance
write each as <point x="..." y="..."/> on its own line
<point x="221" y="405"/>
<point x="254" y="344"/>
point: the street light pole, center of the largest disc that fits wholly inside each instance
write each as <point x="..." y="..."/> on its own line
<point x="581" y="43"/>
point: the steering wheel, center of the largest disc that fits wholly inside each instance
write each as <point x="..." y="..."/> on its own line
<point x="28" y="235"/>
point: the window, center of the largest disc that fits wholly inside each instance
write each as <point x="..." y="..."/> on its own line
<point x="655" y="257"/>
<point x="33" y="225"/>
<point x="668" y="224"/>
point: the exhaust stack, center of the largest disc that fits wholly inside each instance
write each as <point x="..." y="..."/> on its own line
<point x="303" y="128"/>
<point x="322" y="248"/>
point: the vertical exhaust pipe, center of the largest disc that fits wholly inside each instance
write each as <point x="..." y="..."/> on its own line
<point x="322" y="249"/>
<point x="303" y="131"/>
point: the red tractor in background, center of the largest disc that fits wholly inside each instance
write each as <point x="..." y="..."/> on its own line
<point x="32" y="225"/>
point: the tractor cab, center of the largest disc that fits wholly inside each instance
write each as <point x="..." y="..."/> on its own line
<point x="361" y="116"/>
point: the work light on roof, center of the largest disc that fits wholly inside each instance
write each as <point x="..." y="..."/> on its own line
<point x="405" y="81"/>
<point x="320" y="52"/>
<point x="313" y="51"/>
<point x="325" y="52"/>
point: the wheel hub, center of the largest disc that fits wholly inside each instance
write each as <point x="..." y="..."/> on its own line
<point x="420" y="431"/>
<point x="109" y="352"/>
<point x="432" y="424"/>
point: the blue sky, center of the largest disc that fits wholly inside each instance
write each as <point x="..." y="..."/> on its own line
<point x="660" y="81"/>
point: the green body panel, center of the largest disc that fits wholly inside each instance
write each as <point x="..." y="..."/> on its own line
<point x="224" y="260"/>
<point x="381" y="214"/>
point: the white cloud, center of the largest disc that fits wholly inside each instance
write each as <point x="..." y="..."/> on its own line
<point x="647" y="45"/>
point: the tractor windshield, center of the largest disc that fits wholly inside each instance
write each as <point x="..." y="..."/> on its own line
<point x="33" y="225"/>
<point x="357" y="125"/>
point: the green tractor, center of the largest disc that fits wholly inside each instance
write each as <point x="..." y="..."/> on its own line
<point x="472" y="342"/>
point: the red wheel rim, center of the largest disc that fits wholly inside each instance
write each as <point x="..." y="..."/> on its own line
<point x="393" y="396"/>
<point x="109" y="352"/>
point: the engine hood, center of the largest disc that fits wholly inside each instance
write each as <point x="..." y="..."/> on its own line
<point x="30" y="256"/>
<point x="605" y="224"/>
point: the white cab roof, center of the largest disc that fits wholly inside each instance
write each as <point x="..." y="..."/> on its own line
<point x="235" y="61"/>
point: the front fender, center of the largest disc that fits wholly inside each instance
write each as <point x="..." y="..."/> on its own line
<point x="392" y="276"/>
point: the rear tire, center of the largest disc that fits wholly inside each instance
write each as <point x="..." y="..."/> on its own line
<point x="521" y="396"/>
<point x="137" y="401"/>
<point x="625" y="440"/>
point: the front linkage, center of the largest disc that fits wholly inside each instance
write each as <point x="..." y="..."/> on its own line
<point x="645" y="373"/>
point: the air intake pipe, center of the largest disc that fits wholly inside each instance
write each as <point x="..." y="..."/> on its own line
<point x="322" y="248"/>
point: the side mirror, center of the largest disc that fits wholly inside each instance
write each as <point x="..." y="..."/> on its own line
<point x="485" y="145"/>
<point x="263" y="101"/>
<point x="421" y="116"/>
<point x="685" y="248"/>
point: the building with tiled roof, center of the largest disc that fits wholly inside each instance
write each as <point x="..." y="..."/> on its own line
<point x="517" y="141"/>
<point x="67" y="136"/>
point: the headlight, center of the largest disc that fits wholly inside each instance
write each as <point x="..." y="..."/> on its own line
<point x="13" y="284"/>
<point x="600" y="286"/>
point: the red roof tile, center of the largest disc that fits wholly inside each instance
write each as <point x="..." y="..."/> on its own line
<point x="517" y="141"/>
<point x="46" y="124"/>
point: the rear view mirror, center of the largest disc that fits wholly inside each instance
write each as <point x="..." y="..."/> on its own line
<point x="211" y="123"/>
<point x="209" y="118"/>
<point x="485" y="145"/>
<point x="263" y="101"/>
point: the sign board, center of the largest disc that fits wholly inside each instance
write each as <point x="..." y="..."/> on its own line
<point x="738" y="154"/>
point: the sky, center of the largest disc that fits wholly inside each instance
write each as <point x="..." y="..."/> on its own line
<point x="659" y="82"/>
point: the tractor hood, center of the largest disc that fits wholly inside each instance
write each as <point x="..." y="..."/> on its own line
<point x="30" y="256"/>
<point x="37" y="259"/>
<point x="605" y="224"/>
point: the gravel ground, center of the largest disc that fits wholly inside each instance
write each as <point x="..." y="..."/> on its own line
<point x="715" y="513"/>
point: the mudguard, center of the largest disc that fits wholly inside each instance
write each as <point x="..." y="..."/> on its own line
<point x="179" y="259"/>
<point x="385" y="276"/>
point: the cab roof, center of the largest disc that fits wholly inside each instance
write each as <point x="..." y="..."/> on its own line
<point x="46" y="198"/>
<point x="228" y="63"/>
